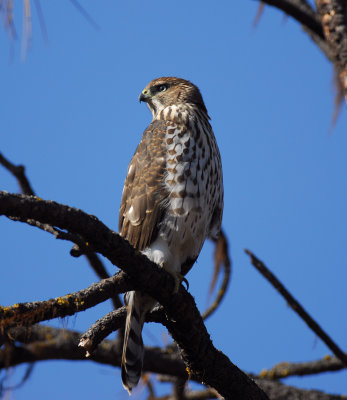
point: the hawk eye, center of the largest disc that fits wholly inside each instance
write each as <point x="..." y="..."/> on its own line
<point x="162" y="88"/>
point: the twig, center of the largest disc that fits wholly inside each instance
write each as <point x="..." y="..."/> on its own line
<point x="19" y="172"/>
<point x="146" y="379"/>
<point x="101" y="329"/>
<point x="85" y="14"/>
<point x="293" y="303"/>
<point x="26" y="376"/>
<point x="111" y="322"/>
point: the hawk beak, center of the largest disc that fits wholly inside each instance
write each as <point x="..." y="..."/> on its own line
<point x="144" y="96"/>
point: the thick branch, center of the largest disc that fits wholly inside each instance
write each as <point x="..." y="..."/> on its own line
<point x="185" y="324"/>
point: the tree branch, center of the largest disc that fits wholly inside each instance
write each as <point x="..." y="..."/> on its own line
<point x="333" y="15"/>
<point x="184" y="322"/>
<point x="278" y="391"/>
<point x="286" y="369"/>
<point x="47" y="343"/>
<point x="19" y="172"/>
<point x="26" y="314"/>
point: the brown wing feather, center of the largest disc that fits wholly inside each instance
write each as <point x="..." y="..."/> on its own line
<point x="144" y="194"/>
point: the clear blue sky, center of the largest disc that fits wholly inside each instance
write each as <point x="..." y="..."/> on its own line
<point x="70" y="114"/>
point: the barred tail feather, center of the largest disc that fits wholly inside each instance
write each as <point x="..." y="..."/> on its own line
<point x="132" y="358"/>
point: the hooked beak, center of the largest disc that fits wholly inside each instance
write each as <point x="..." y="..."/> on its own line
<point x="144" y="96"/>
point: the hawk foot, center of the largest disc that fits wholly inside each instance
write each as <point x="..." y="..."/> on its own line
<point x="177" y="277"/>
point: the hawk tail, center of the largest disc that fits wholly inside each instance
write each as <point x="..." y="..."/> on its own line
<point x="132" y="358"/>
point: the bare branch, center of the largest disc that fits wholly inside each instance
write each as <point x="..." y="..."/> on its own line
<point x="184" y="322"/>
<point x="101" y="329"/>
<point x="286" y="369"/>
<point x="110" y="323"/>
<point x="85" y="14"/>
<point x="297" y="307"/>
<point x="278" y="391"/>
<point x="25" y="314"/>
<point x="47" y="343"/>
<point x="62" y="344"/>
<point x="333" y="15"/>
<point x="19" y="172"/>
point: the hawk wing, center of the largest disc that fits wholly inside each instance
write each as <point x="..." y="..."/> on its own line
<point x="143" y="200"/>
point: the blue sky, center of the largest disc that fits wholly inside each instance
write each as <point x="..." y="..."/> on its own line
<point x="70" y="114"/>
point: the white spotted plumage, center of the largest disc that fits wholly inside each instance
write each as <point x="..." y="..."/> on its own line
<point x="173" y="196"/>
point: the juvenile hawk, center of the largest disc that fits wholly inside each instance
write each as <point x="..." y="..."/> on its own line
<point x="172" y="198"/>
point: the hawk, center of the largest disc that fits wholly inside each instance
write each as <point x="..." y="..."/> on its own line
<point x="172" y="198"/>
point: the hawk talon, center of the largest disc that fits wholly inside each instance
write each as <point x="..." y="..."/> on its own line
<point x="179" y="278"/>
<point x="185" y="281"/>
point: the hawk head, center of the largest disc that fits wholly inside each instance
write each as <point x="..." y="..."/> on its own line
<point x="169" y="91"/>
